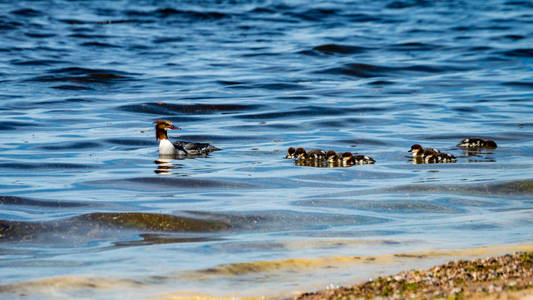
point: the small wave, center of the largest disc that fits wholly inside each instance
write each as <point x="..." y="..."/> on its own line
<point x="380" y="206"/>
<point x="83" y="75"/>
<point x="14" y="200"/>
<point x="13" y="125"/>
<point x="26" y="12"/>
<point x="408" y="3"/>
<point x="185" y="14"/>
<point x="278" y="86"/>
<point x="361" y="141"/>
<point x="519" y="52"/>
<point x="313" y="14"/>
<point x="339" y="49"/>
<point x="39" y="35"/>
<point x="89" y="36"/>
<point x="283" y="219"/>
<point x="523" y="84"/>
<point x="99" y="44"/>
<point x="158" y="239"/>
<point x="162" y="108"/>
<point x="70" y="87"/>
<point x="44" y="166"/>
<point x="311" y="111"/>
<point x="358" y="70"/>
<point x="521" y="188"/>
<point x="35" y="62"/>
<point x="130" y="142"/>
<point x="147" y="222"/>
<point x="158" y="183"/>
<point x="414" y="46"/>
<point x="69" y="146"/>
<point x="9" y="25"/>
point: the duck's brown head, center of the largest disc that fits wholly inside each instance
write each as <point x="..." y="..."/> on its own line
<point x="161" y="127"/>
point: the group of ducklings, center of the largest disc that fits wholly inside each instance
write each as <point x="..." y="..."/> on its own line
<point x="320" y="158"/>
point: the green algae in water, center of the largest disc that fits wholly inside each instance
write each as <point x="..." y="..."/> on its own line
<point x="512" y="188"/>
<point x="99" y="222"/>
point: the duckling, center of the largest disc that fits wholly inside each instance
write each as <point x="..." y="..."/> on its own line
<point x="430" y="155"/>
<point x="363" y="159"/>
<point x="300" y="153"/>
<point x="477" y="143"/>
<point x="316" y="154"/>
<point x="290" y="152"/>
<point x="332" y="156"/>
<point x="350" y="159"/>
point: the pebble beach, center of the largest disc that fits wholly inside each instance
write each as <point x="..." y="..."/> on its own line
<point x="501" y="277"/>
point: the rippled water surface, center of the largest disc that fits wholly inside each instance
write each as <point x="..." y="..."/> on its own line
<point x="84" y="194"/>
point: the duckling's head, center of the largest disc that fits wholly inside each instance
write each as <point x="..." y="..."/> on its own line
<point x="300" y="153"/>
<point x="331" y="154"/>
<point x="416" y="148"/>
<point x="290" y="152"/>
<point x="347" y="156"/>
<point x="491" y="144"/>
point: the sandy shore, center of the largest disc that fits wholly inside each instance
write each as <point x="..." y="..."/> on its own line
<point x="501" y="277"/>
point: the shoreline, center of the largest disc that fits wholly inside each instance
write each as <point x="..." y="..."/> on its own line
<point x="508" y="276"/>
<point x="477" y="273"/>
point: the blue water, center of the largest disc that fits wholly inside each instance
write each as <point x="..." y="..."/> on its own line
<point x="84" y="193"/>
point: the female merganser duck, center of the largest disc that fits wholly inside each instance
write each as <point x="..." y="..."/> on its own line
<point x="180" y="148"/>
<point x="476" y="143"/>
<point x="430" y="155"/>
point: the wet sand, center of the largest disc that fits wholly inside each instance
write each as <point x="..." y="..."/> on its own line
<point x="500" y="277"/>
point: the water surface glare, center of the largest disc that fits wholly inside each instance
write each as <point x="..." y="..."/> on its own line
<point x="88" y="207"/>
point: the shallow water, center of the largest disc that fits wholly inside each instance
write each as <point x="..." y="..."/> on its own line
<point x="84" y="193"/>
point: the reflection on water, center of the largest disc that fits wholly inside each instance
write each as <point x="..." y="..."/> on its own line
<point x="165" y="165"/>
<point x="83" y="191"/>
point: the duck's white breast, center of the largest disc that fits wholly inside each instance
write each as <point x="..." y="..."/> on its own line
<point x="166" y="148"/>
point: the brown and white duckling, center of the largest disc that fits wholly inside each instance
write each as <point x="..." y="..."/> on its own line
<point x="430" y="155"/>
<point x="316" y="154"/>
<point x="350" y="159"/>
<point x="477" y="143"/>
<point x="290" y="152"/>
<point x="300" y="153"/>
<point x="332" y="157"/>
<point x="180" y="148"/>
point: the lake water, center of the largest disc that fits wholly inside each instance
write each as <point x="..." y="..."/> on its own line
<point x="89" y="210"/>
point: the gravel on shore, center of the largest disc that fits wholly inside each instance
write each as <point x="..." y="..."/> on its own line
<point x="503" y="277"/>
